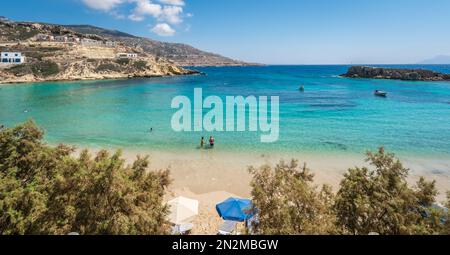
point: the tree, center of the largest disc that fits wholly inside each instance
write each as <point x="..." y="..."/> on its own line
<point x="45" y="190"/>
<point x="381" y="201"/>
<point x="286" y="202"/>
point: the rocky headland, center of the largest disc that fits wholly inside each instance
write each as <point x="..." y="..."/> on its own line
<point x="60" y="62"/>
<point x="395" y="74"/>
<point x="78" y="57"/>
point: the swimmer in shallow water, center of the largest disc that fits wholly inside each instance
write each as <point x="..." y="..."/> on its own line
<point x="211" y="141"/>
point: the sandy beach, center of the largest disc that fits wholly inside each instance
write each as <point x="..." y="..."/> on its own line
<point x="211" y="176"/>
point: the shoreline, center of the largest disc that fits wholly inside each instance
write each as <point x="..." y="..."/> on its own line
<point x="207" y="171"/>
<point x="211" y="177"/>
<point x="104" y="78"/>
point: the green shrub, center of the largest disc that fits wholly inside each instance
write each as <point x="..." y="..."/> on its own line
<point x="41" y="69"/>
<point x="50" y="49"/>
<point x="46" y="190"/>
<point x="45" y="68"/>
<point x="20" y="70"/>
<point x="107" y="67"/>
<point x="34" y="54"/>
<point x="141" y="65"/>
<point x="123" y="61"/>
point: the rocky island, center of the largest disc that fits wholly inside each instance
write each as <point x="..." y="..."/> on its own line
<point x="395" y="74"/>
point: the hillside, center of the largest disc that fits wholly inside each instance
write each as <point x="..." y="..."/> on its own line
<point x="77" y="57"/>
<point x="180" y="54"/>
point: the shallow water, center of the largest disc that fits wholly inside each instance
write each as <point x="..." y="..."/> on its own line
<point x="334" y="115"/>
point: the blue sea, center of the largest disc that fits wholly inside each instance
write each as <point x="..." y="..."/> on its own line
<point x="334" y="115"/>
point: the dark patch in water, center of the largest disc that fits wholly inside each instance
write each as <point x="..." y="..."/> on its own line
<point x="333" y="105"/>
<point x="339" y="146"/>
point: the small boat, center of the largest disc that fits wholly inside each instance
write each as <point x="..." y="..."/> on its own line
<point x="380" y="93"/>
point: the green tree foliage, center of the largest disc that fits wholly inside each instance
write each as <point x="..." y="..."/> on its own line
<point x="370" y="199"/>
<point x="45" y="190"/>
<point x="287" y="203"/>
<point x="381" y="201"/>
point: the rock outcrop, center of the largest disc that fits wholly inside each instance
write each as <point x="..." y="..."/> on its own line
<point x="395" y="74"/>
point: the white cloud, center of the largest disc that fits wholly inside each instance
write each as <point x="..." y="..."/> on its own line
<point x="168" y="13"/>
<point x="172" y="14"/>
<point x="173" y="2"/>
<point x="165" y="12"/>
<point x="145" y="8"/>
<point x="163" y="29"/>
<point x="102" y="5"/>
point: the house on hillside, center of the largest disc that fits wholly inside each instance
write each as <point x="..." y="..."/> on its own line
<point x="91" y="42"/>
<point x="74" y="39"/>
<point x="12" y="58"/>
<point x="110" y="44"/>
<point x="61" y="38"/>
<point x="127" y="55"/>
<point x="41" y="37"/>
<point x="44" y="37"/>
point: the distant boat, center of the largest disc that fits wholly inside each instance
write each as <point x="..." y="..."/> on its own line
<point x="302" y="88"/>
<point x="380" y="93"/>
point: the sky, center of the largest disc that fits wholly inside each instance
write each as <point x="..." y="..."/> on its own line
<point x="268" y="31"/>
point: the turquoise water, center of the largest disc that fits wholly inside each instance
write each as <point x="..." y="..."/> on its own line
<point x="334" y="115"/>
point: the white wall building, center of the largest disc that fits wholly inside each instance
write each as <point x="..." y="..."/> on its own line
<point x="42" y="37"/>
<point x="74" y="39"/>
<point x="61" y="38"/>
<point x="127" y="55"/>
<point x="12" y="58"/>
<point x="110" y="44"/>
<point x="91" y="42"/>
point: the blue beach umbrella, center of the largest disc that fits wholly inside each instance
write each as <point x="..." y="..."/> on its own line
<point x="235" y="209"/>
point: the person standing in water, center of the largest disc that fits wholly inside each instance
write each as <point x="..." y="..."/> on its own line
<point x="211" y="141"/>
<point x="202" y="142"/>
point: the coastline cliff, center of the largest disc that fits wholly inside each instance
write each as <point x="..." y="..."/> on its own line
<point x="58" y="62"/>
<point x="395" y="74"/>
<point x="54" y="53"/>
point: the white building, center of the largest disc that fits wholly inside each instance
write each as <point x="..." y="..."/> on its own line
<point x="61" y="38"/>
<point x="110" y="44"/>
<point x="41" y="37"/>
<point x="44" y="37"/>
<point x="74" y="39"/>
<point x="12" y="58"/>
<point x="127" y="55"/>
<point x="91" y="42"/>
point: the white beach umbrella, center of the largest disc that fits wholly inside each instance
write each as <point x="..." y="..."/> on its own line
<point x="182" y="210"/>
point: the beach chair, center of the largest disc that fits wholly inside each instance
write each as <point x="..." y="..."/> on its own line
<point x="227" y="228"/>
<point x="184" y="229"/>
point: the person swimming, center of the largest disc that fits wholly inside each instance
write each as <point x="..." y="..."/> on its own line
<point x="211" y="141"/>
<point x="202" y="142"/>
